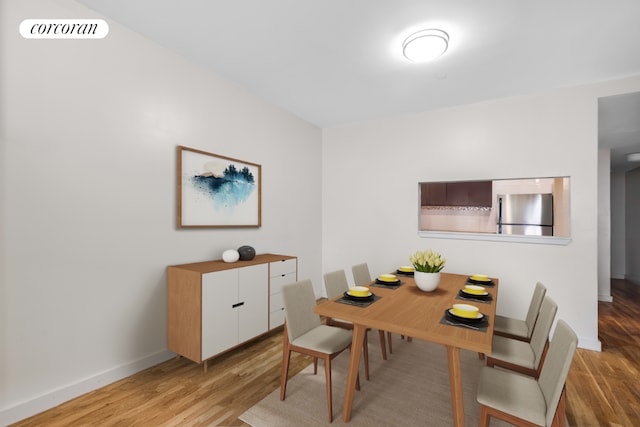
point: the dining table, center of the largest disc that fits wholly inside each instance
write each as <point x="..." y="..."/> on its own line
<point x="406" y="310"/>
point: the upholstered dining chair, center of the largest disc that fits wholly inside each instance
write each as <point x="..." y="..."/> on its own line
<point x="516" y="328"/>
<point x="304" y="333"/>
<point x="335" y="283"/>
<point x="524" y="401"/>
<point x="521" y="329"/>
<point x="526" y="357"/>
<point x="362" y="277"/>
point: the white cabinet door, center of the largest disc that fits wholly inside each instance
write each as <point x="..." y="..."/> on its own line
<point x="219" y="316"/>
<point x="254" y="297"/>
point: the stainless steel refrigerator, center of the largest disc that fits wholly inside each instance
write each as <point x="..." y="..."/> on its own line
<point x="525" y="214"/>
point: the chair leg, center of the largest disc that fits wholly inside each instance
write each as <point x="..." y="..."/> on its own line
<point x="484" y="417"/>
<point x="383" y="345"/>
<point x="559" y="419"/>
<point x="327" y="371"/>
<point x="286" y="357"/>
<point x="365" y="348"/>
<point x="390" y="343"/>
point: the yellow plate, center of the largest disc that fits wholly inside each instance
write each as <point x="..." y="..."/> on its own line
<point x="388" y="277"/>
<point x="358" y="295"/>
<point x="480" y="277"/>
<point x="466" y="310"/>
<point x="359" y="291"/>
<point x="475" y="290"/>
<point x="405" y="269"/>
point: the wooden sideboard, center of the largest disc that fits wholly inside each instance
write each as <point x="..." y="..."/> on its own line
<point x="214" y="306"/>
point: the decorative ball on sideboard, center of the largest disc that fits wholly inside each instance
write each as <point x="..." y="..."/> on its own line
<point x="246" y="253"/>
<point x="230" y="255"/>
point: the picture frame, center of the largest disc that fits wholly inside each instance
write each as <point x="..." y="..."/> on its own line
<point x="217" y="191"/>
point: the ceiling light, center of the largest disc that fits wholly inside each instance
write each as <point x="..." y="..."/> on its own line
<point x="633" y="157"/>
<point x="425" y="45"/>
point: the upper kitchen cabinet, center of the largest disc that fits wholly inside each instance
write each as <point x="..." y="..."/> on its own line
<point x="460" y="194"/>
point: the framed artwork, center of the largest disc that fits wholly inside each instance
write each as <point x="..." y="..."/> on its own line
<point x="217" y="191"/>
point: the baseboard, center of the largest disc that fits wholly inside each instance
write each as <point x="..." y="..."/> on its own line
<point x="633" y="279"/>
<point x="54" y="398"/>
<point x="589" y="344"/>
<point x="605" y="298"/>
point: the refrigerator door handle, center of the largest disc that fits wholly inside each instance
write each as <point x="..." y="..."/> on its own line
<point x="499" y="215"/>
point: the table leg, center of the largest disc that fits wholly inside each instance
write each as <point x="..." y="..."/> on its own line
<point x="455" y="379"/>
<point x="359" y="332"/>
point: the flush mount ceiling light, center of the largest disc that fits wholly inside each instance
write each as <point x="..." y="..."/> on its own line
<point x="425" y="45"/>
<point x="633" y="157"/>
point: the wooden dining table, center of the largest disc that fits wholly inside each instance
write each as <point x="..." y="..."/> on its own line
<point x="408" y="311"/>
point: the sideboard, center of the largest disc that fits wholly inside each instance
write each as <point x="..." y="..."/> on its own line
<point x="214" y="306"/>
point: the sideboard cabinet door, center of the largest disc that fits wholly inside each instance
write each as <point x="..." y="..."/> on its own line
<point x="219" y="316"/>
<point x="253" y="294"/>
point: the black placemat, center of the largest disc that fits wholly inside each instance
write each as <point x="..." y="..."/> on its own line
<point x="380" y="284"/>
<point x="364" y="303"/>
<point x="404" y="273"/>
<point x="486" y="284"/>
<point x="478" y="326"/>
<point x="467" y="297"/>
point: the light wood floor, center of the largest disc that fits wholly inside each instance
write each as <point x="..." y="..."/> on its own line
<point x="603" y="389"/>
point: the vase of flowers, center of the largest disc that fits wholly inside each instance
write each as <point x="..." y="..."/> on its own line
<point x="427" y="265"/>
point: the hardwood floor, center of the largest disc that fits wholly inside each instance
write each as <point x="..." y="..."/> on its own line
<point x="603" y="388"/>
<point x="179" y="393"/>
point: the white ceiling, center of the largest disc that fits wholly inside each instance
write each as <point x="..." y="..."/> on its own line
<point x="334" y="62"/>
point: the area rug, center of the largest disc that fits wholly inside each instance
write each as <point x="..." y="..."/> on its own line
<point x="410" y="388"/>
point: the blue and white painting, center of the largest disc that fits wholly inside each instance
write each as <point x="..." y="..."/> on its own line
<point x="218" y="191"/>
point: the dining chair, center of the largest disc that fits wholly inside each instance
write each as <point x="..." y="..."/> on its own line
<point x="525" y="357"/>
<point x="335" y="284"/>
<point x="362" y="277"/>
<point x="304" y="333"/>
<point x="524" y="401"/>
<point x="521" y="329"/>
<point x="516" y="328"/>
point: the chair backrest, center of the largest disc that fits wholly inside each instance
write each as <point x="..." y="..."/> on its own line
<point x="361" y="275"/>
<point x="556" y="366"/>
<point x="534" y="307"/>
<point x="299" y="300"/>
<point x="540" y="334"/>
<point x="335" y="283"/>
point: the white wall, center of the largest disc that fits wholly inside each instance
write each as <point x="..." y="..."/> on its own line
<point x="632" y="187"/>
<point x="88" y="190"/>
<point x="604" y="225"/>
<point x="618" y="235"/>
<point x="370" y="192"/>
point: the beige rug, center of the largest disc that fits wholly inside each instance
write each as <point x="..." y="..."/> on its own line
<point x="410" y="388"/>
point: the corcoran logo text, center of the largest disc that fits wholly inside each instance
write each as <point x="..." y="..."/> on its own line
<point x="64" y="28"/>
